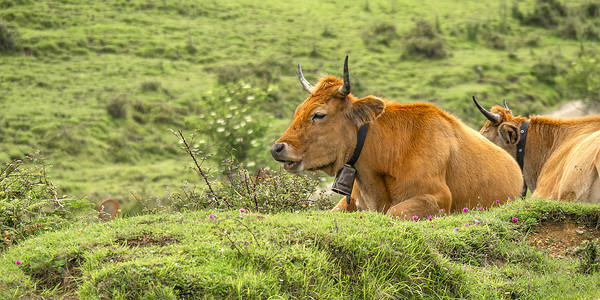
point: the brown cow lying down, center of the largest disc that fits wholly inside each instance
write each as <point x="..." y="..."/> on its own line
<point x="560" y="157"/>
<point x="416" y="160"/>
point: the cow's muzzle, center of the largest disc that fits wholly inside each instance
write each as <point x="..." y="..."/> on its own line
<point x="280" y="152"/>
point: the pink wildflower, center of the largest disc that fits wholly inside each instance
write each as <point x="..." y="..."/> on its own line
<point x="211" y="216"/>
<point x="465" y="209"/>
<point x="415" y="218"/>
<point x="431" y="225"/>
<point x="497" y="201"/>
<point x="466" y="225"/>
<point x="480" y="208"/>
<point x="441" y="210"/>
<point x="18" y="262"/>
<point x="510" y="199"/>
<point x="392" y="222"/>
<point x="514" y="219"/>
<point x="242" y="210"/>
<point x="478" y="222"/>
<point x="457" y="228"/>
<point x="430" y="218"/>
<point x="361" y="216"/>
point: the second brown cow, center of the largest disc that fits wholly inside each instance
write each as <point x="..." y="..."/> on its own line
<point x="416" y="160"/>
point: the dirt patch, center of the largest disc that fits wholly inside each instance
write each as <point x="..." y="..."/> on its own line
<point x="560" y="238"/>
<point x="147" y="240"/>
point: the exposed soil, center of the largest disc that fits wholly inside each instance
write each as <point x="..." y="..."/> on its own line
<point x="147" y="240"/>
<point x="560" y="238"/>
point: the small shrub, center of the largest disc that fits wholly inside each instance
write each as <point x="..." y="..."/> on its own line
<point x="590" y="256"/>
<point x="544" y="72"/>
<point x="496" y="41"/>
<point x="29" y="203"/>
<point x="582" y="78"/>
<point x="423" y="41"/>
<point x="380" y="34"/>
<point x="8" y="38"/>
<point x="546" y="14"/>
<point x="234" y="187"/>
<point x="117" y="107"/>
<point x="570" y="28"/>
<point x="234" y="117"/>
<point x="150" y="86"/>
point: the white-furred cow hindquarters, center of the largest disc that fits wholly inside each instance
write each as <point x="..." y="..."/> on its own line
<point x="572" y="173"/>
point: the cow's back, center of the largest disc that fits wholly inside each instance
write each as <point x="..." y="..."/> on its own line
<point x="477" y="172"/>
<point x="480" y="173"/>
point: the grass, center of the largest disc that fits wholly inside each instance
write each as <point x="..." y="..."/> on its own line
<point x="96" y="86"/>
<point x="314" y="254"/>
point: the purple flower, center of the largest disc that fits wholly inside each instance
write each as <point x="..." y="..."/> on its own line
<point x="515" y="220"/>
<point x="480" y="208"/>
<point x="465" y="209"/>
<point x="211" y="216"/>
<point x="457" y="228"/>
<point x="430" y="218"/>
<point x="361" y="216"/>
<point x="18" y="262"/>
<point x="392" y="222"/>
<point x="415" y="218"/>
<point x="510" y="199"/>
<point x="242" y="210"/>
<point x="466" y="225"/>
<point x="478" y="222"/>
<point x="441" y="210"/>
<point x="497" y="201"/>
<point x="431" y="225"/>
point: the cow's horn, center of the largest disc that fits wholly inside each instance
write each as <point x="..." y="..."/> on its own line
<point x="494" y="118"/>
<point x="305" y="84"/>
<point x="505" y="105"/>
<point x="344" y="90"/>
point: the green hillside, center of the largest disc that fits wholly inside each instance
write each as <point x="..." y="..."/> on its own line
<point x="96" y="86"/>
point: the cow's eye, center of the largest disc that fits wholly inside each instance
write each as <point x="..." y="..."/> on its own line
<point x="318" y="116"/>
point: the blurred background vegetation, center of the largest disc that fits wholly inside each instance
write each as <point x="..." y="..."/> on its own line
<point x="96" y="86"/>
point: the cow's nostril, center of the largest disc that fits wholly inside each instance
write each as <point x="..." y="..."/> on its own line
<point x="277" y="148"/>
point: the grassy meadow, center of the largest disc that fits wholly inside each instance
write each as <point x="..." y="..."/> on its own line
<point x="96" y="86"/>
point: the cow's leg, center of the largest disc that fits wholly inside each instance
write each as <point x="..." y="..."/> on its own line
<point x="423" y="205"/>
<point x="343" y="204"/>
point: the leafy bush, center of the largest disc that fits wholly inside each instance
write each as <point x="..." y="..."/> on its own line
<point x="423" y="42"/>
<point x="29" y="203"/>
<point x="546" y="14"/>
<point x="545" y="72"/>
<point x="234" y="117"/>
<point x="590" y="256"/>
<point x="233" y="186"/>
<point x="380" y="34"/>
<point x="582" y="78"/>
<point x="117" y="107"/>
<point x="8" y="38"/>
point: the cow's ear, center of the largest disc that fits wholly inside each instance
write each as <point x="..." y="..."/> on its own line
<point x="366" y="109"/>
<point x="509" y="133"/>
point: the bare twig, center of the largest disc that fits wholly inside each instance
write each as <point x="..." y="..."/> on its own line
<point x="141" y="202"/>
<point x="199" y="170"/>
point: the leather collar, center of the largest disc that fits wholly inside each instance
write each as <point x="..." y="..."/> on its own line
<point x="521" y="152"/>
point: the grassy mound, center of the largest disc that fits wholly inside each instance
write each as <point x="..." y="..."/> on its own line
<point x="321" y="255"/>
